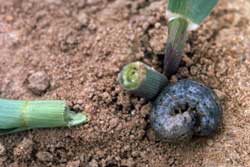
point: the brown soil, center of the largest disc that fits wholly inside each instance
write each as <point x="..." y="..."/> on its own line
<point x="82" y="44"/>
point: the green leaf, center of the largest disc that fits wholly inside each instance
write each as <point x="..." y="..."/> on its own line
<point x="194" y="10"/>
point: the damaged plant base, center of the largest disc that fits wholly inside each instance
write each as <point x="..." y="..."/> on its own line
<point x="16" y="116"/>
<point x="184" y="15"/>
<point x="141" y="80"/>
<point x="185" y="109"/>
<point x="175" y="45"/>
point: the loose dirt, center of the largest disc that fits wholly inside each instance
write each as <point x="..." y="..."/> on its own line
<point x="82" y="44"/>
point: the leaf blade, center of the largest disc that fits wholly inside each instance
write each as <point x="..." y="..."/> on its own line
<point x="194" y="10"/>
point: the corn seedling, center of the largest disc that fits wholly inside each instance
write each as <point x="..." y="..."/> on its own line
<point x="184" y="15"/>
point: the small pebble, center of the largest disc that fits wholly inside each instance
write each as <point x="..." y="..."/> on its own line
<point x="173" y="79"/>
<point x="221" y="95"/>
<point x="193" y="70"/>
<point x="128" y="162"/>
<point x="9" y="18"/>
<point x="171" y="161"/>
<point x="56" y="2"/>
<point x="210" y="142"/>
<point x="145" y="25"/>
<point x="83" y="18"/>
<point x="2" y="160"/>
<point x="157" y="25"/>
<point x="77" y="107"/>
<point x="151" y="135"/>
<point x="14" y="164"/>
<point x="38" y="83"/>
<point x="187" y="60"/>
<point x="24" y="149"/>
<point x="113" y="122"/>
<point x="92" y="27"/>
<point x="44" y="156"/>
<point x="93" y="163"/>
<point x="2" y="149"/>
<point x="73" y="163"/>
<point x="146" y="109"/>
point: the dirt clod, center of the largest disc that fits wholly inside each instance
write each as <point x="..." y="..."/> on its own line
<point x="24" y="149"/>
<point x="114" y="122"/>
<point x="221" y="95"/>
<point x="93" y="163"/>
<point x="38" y="83"/>
<point x="73" y="164"/>
<point x="83" y="18"/>
<point x="2" y="149"/>
<point x="44" y="156"/>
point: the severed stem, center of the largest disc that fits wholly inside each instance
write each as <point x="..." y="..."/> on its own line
<point x="177" y="37"/>
<point x="17" y="115"/>
<point x="141" y="80"/>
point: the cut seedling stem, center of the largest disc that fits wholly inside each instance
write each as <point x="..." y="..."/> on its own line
<point x="141" y="80"/>
<point x="175" y="45"/>
<point x="184" y="15"/>
<point x="16" y="116"/>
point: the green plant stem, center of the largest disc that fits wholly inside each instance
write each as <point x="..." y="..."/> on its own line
<point x="141" y="80"/>
<point x="18" y="115"/>
<point x="177" y="36"/>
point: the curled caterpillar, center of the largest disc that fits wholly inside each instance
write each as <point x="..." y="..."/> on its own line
<point x="185" y="109"/>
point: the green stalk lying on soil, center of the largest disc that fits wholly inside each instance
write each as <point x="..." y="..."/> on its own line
<point x="18" y="116"/>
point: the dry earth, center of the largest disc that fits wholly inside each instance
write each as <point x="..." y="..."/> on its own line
<point x="79" y="47"/>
